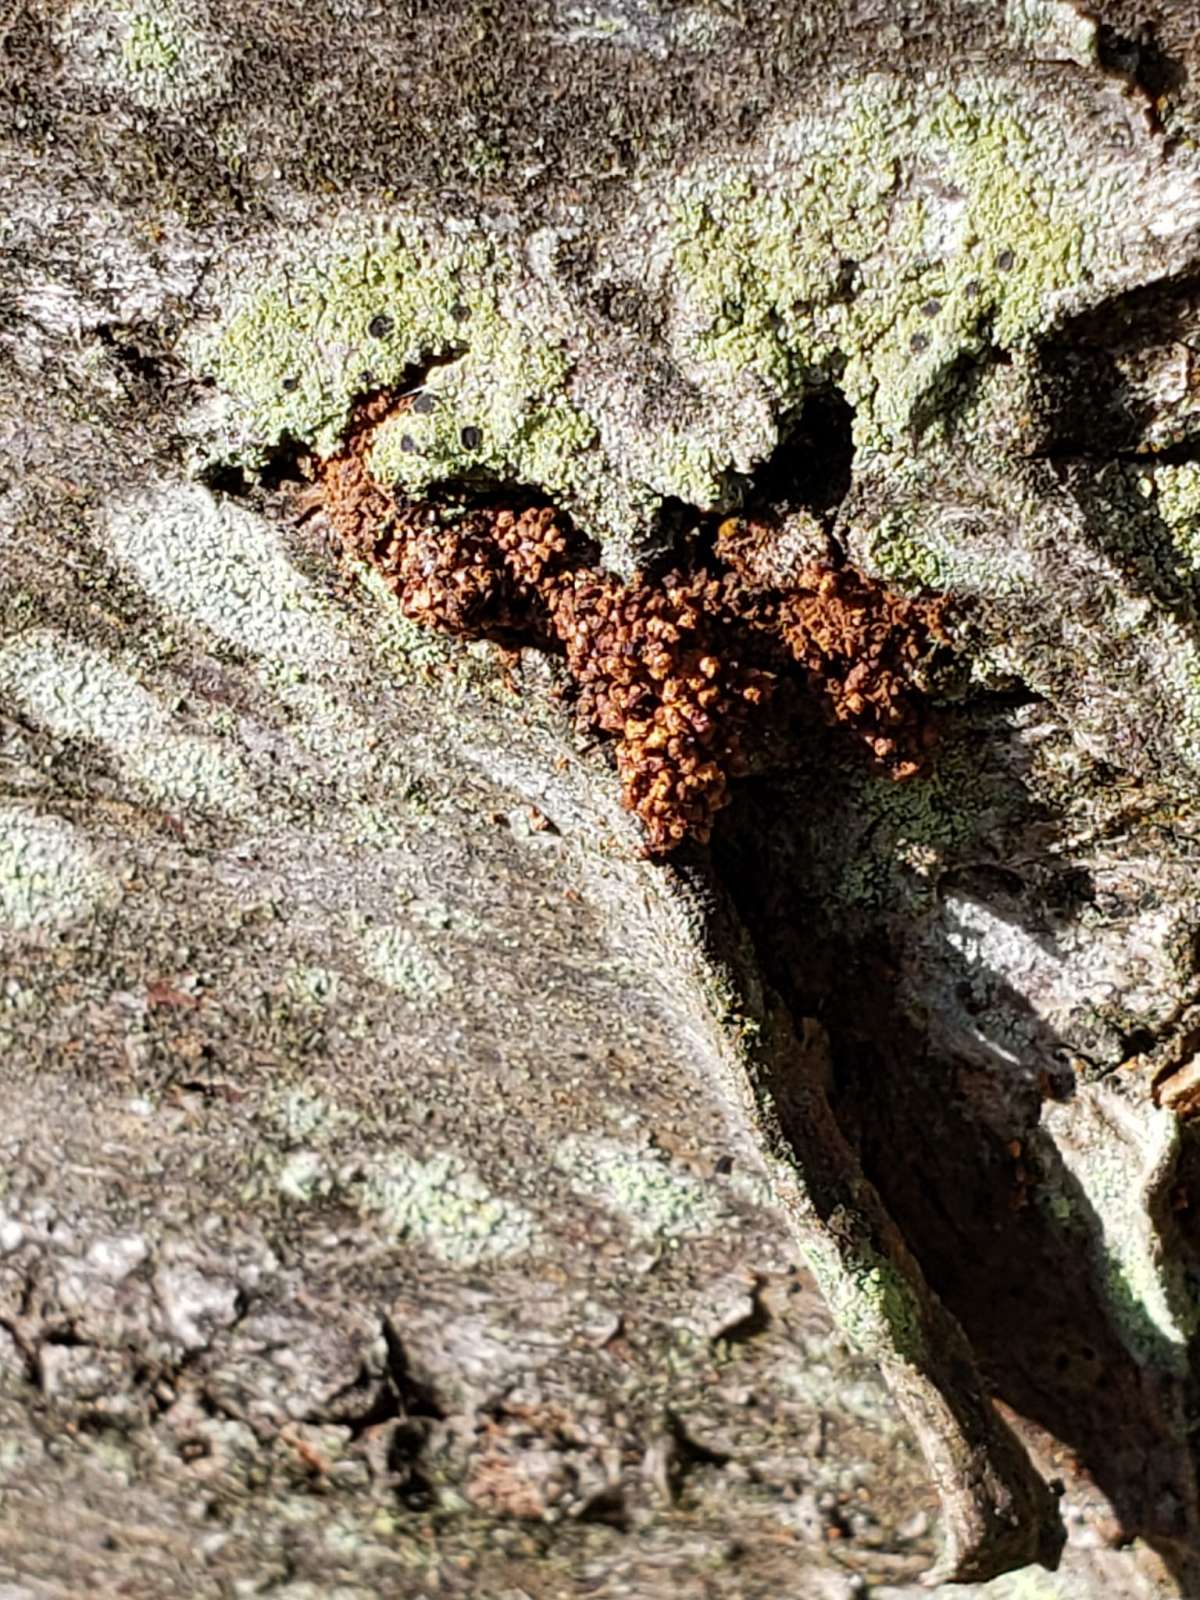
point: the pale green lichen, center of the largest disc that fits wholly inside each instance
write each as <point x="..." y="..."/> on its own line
<point x="499" y="410"/>
<point x="220" y="568"/>
<point x="834" y="255"/>
<point x="840" y="264"/>
<point x="872" y="1302"/>
<point x="190" y="772"/>
<point x="911" y="547"/>
<point x="1177" y="491"/>
<point x="444" y="1206"/>
<point x="153" y="43"/>
<point x="336" y="321"/>
<point x="78" y="693"/>
<point x="399" y="958"/>
<point x="656" y="1197"/>
<point x="430" y="313"/>
<point x="162" y="56"/>
<point x="48" y="874"/>
<point x="1120" y="1152"/>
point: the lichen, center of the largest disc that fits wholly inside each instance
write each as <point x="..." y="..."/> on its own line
<point x="1053" y="30"/>
<point x="657" y="1199"/>
<point x="872" y="1302"/>
<point x="910" y="546"/>
<point x="293" y="353"/>
<point x="498" y="411"/>
<point x="397" y="957"/>
<point x="1177" y="491"/>
<point x="152" y="44"/>
<point x="48" y="875"/>
<point x="905" y="835"/>
<point x="78" y="693"/>
<point x="312" y="985"/>
<point x="444" y="1206"/>
<point x="304" y="1116"/>
<point x="876" y="242"/>
<point x="1119" y="1153"/>
<point x="218" y="566"/>
<point x="836" y="262"/>
<point x="163" y="56"/>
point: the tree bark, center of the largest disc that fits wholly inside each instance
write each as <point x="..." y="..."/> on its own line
<point x="409" y="1186"/>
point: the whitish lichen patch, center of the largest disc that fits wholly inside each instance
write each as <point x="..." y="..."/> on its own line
<point x="163" y="56"/>
<point x="1053" y="30"/>
<point x="190" y="772"/>
<point x="656" y="1197"/>
<point x="303" y="1177"/>
<point x="77" y="692"/>
<point x="444" y="1206"/>
<point x="222" y="569"/>
<point x="304" y="1116"/>
<point x="401" y="959"/>
<point x="48" y="874"/>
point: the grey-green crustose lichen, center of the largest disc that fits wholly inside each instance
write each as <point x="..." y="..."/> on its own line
<point x="833" y="255"/>
<point x="1104" y="1186"/>
<point x="163" y="56"/>
<point x="433" y="315"/>
<point x="1176" y="493"/>
<point x="852" y="268"/>
<point x="873" y="1303"/>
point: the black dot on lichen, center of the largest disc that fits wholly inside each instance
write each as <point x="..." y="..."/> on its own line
<point x="471" y="438"/>
<point x="1005" y="260"/>
<point x="407" y="442"/>
<point x="918" y="342"/>
<point x="423" y="404"/>
<point x="290" y="383"/>
<point x="380" y="326"/>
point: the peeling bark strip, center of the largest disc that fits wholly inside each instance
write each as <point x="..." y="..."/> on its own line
<point x="997" y="1513"/>
<point x="671" y="665"/>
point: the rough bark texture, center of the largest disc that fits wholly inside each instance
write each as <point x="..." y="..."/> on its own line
<point x="408" y="1188"/>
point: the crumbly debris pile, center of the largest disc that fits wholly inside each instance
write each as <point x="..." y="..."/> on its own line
<point x="671" y="666"/>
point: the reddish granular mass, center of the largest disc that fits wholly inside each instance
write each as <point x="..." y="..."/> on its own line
<point x="670" y="666"/>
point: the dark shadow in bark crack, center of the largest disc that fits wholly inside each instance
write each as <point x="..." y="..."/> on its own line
<point x="948" y="1131"/>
